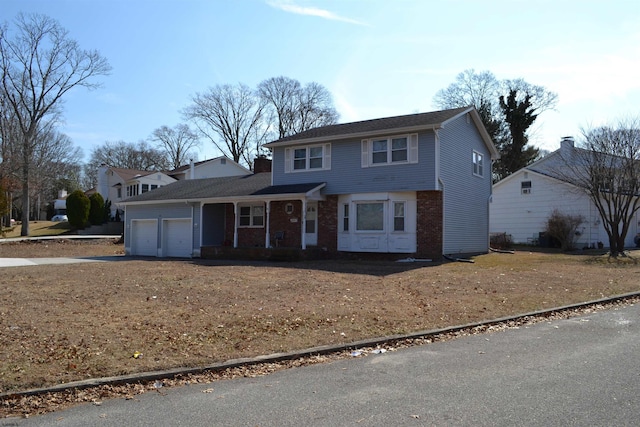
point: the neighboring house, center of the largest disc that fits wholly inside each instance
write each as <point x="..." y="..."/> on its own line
<point x="416" y="185"/>
<point x="212" y="168"/>
<point x="523" y="201"/>
<point x="117" y="184"/>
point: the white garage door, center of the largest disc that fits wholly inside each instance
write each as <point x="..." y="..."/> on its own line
<point x="177" y="238"/>
<point x="144" y="237"/>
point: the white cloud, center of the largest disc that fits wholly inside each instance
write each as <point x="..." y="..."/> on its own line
<point x="289" y="6"/>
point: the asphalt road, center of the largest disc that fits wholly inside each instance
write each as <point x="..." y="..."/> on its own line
<point x="576" y="372"/>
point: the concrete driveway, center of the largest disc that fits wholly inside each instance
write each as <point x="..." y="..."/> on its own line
<point x="22" y="262"/>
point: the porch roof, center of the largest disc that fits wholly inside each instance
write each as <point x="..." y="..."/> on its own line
<point x="222" y="189"/>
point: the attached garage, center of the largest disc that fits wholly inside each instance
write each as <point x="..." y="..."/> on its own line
<point x="144" y="237"/>
<point x="177" y="238"/>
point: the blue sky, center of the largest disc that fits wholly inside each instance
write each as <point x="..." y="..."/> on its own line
<point x="377" y="57"/>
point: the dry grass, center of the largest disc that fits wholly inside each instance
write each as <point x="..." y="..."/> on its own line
<point x="70" y="322"/>
<point x="39" y="228"/>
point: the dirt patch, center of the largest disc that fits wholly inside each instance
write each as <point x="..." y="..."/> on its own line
<point x="71" y="322"/>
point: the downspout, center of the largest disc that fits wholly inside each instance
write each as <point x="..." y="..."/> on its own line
<point x="235" y="224"/>
<point x="441" y="187"/>
<point x="267" y="237"/>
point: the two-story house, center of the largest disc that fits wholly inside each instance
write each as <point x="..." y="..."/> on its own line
<point x="417" y="185"/>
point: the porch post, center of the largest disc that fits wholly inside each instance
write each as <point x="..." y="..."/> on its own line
<point x="235" y="224"/>
<point x="304" y="224"/>
<point x="267" y="235"/>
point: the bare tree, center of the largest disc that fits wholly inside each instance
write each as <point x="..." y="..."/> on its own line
<point x="297" y="108"/>
<point x="232" y="118"/>
<point x="507" y="109"/>
<point x="607" y="166"/>
<point x="125" y="155"/>
<point x="39" y="65"/>
<point x="178" y="142"/>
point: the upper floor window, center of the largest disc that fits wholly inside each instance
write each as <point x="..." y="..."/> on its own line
<point x="478" y="164"/>
<point x="390" y="150"/>
<point x="132" y="190"/>
<point x="251" y="216"/>
<point x="525" y="187"/>
<point x="316" y="157"/>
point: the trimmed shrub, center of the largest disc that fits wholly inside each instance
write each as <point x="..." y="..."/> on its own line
<point x="96" y="209"/>
<point x="78" y="206"/>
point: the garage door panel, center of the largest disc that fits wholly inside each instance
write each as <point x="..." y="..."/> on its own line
<point x="144" y="237"/>
<point x="177" y="241"/>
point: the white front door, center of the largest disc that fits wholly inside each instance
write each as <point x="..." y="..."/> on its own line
<point x="311" y="224"/>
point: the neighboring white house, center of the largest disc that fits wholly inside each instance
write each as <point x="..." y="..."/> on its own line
<point x="212" y="168"/>
<point x="523" y="201"/>
<point x="117" y="184"/>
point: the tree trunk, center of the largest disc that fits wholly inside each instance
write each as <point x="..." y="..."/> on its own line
<point x="24" y="231"/>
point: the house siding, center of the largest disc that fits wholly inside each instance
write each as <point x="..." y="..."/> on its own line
<point x="465" y="196"/>
<point x="347" y="176"/>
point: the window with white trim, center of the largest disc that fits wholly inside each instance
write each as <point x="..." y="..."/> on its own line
<point x="398" y="216"/>
<point x="370" y="216"/>
<point x="132" y="190"/>
<point x="525" y="187"/>
<point x="251" y="216"/>
<point x="316" y="157"/>
<point x="390" y="150"/>
<point x="345" y="217"/>
<point x="478" y="164"/>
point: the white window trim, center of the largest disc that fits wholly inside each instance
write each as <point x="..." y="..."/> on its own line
<point x="480" y="165"/>
<point x="251" y="216"/>
<point x="393" y="216"/>
<point x="289" y="158"/>
<point x="412" y="151"/>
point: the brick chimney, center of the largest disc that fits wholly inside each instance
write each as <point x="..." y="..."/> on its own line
<point x="261" y="164"/>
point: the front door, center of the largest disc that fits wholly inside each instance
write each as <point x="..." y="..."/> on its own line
<point x="311" y="224"/>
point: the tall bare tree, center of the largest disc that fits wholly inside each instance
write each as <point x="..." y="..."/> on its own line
<point x="507" y="109"/>
<point x="297" y="108"/>
<point x="232" y="118"/>
<point x="39" y="64"/>
<point x="607" y="166"/>
<point x="178" y="142"/>
<point x="121" y="154"/>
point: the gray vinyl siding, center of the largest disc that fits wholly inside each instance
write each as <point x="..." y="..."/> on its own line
<point x="466" y="196"/>
<point x="347" y="176"/>
<point x="160" y="212"/>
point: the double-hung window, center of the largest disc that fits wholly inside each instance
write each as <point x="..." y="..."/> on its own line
<point x="478" y="164"/>
<point x="251" y="216"/>
<point x="398" y="216"/>
<point x="390" y="150"/>
<point x="316" y="157"/>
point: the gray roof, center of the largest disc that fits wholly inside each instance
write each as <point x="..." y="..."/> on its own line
<point x="226" y="187"/>
<point x="434" y="118"/>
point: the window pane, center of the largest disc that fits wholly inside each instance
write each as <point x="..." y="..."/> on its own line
<point x="399" y="155"/>
<point x="380" y="157"/>
<point x="370" y="216"/>
<point x="145" y="188"/>
<point x="398" y="209"/>
<point x="380" y="145"/>
<point x="300" y="158"/>
<point x="399" y="144"/>
<point x="398" y="224"/>
<point x="245" y="210"/>
<point x="315" y="152"/>
<point x="345" y="220"/>
<point x="315" y="163"/>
